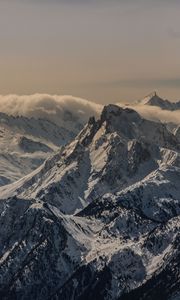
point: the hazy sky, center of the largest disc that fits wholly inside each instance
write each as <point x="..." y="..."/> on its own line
<point x="102" y="50"/>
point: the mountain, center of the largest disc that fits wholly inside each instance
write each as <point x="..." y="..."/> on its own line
<point x="177" y="133"/>
<point x="99" y="219"/>
<point x="154" y="100"/>
<point x="26" y="142"/>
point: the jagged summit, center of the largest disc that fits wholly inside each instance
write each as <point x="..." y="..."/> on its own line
<point x="112" y="108"/>
<point x="153" y="99"/>
<point x="114" y="111"/>
<point x="113" y="119"/>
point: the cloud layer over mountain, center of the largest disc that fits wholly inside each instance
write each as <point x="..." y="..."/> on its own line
<point x="55" y="108"/>
<point x="51" y="107"/>
<point x="156" y="113"/>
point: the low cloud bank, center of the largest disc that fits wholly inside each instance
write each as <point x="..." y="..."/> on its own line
<point x="52" y="107"/>
<point x="155" y="113"/>
<point x="59" y="108"/>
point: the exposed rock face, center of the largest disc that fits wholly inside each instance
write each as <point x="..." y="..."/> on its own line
<point x="98" y="220"/>
<point x="177" y="133"/>
<point x="30" y="146"/>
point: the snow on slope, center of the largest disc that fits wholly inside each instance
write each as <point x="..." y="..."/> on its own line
<point x="100" y="219"/>
<point x="33" y="126"/>
<point x="25" y="143"/>
<point x="48" y="255"/>
<point x="108" y="154"/>
<point x="177" y="133"/>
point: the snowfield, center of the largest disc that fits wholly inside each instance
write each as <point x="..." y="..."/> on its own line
<point x="25" y="143"/>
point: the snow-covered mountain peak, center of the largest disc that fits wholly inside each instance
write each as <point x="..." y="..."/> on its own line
<point x="151" y="98"/>
<point x="113" y="120"/>
<point x="128" y="124"/>
<point x="154" y="100"/>
<point x="121" y="120"/>
<point x="112" y="112"/>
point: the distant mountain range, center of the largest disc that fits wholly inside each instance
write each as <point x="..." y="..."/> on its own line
<point x="99" y="219"/>
<point x="154" y="100"/>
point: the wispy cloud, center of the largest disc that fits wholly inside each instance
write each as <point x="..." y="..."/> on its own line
<point x="155" y="113"/>
<point x="51" y="107"/>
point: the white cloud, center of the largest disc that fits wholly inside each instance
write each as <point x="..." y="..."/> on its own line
<point x="52" y="107"/>
<point x="155" y="113"/>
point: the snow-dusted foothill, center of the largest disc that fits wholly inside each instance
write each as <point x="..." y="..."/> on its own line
<point x="26" y="142"/>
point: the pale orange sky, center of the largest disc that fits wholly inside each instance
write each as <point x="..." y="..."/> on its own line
<point x="100" y="50"/>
